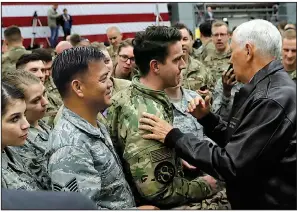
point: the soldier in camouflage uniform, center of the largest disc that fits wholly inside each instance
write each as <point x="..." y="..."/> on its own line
<point x="195" y="74"/>
<point x="222" y="102"/>
<point x="114" y="37"/>
<point x="13" y="40"/>
<point x="81" y="154"/>
<point x="53" y="96"/>
<point x="124" y="67"/>
<point x="14" y="175"/>
<point x="207" y="46"/>
<point x="153" y="171"/>
<point x="289" y="52"/>
<point x="32" y="152"/>
<point x="218" y="61"/>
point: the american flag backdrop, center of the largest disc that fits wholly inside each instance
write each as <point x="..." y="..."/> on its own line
<point x="90" y="20"/>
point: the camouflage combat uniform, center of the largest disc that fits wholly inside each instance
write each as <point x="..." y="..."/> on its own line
<point x="153" y="170"/>
<point x="217" y="63"/>
<point x="54" y="101"/>
<point x="32" y="152"/>
<point x="14" y="175"/>
<point x="82" y="159"/>
<point x="188" y="124"/>
<point x="196" y="75"/>
<point x="292" y="74"/>
<point x="10" y="58"/>
<point x="222" y="105"/>
<point x="204" y="50"/>
<point x="183" y="120"/>
<point x="112" y="53"/>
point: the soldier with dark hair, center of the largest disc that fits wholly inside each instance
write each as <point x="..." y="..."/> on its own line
<point x="154" y="171"/>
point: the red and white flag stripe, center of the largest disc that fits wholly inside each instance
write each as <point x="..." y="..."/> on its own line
<point x="90" y="20"/>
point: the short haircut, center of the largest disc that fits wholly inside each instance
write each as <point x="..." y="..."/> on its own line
<point x="45" y="54"/>
<point x="64" y="9"/>
<point x="125" y="43"/>
<point x="12" y="34"/>
<point x="99" y="46"/>
<point x="20" y="79"/>
<point x="289" y="34"/>
<point x="26" y="58"/>
<point x="205" y="28"/>
<point x="261" y="33"/>
<point x="8" y="93"/>
<point x="75" y="39"/>
<point x="180" y="26"/>
<point x="219" y="24"/>
<point x="72" y="62"/>
<point x="153" y="44"/>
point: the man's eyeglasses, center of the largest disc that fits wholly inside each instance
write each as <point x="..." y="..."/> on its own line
<point x="125" y="58"/>
<point x="219" y="34"/>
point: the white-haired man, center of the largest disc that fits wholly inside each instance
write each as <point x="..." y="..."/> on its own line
<point x="256" y="150"/>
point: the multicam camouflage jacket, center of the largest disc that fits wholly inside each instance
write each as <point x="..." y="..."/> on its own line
<point x="196" y="75"/>
<point x="217" y="63"/>
<point x="10" y="58"/>
<point x="153" y="170"/>
<point x="203" y="51"/>
<point x="82" y="159"/>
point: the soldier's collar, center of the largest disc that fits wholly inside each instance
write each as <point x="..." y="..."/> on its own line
<point x="81" y="123"/>
<point x="160" y="96"/>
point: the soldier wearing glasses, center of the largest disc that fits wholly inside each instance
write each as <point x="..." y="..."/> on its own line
<point x="218" y="61"/>
<point x="124" y="67"/>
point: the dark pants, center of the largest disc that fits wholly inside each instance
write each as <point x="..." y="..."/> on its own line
<point x="54" y="36"/>
<point x="67" y="32"/>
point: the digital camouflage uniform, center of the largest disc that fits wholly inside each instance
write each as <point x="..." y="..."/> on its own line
<point x="183" y="120"/>
<point x="112" y="53"/>
<point x="188" y="124"/>
<point x="14" y="175"/>
<point x="82" y="159"/>
<point x="10" y="58"/>
<point x="54" y="101"/>
<point x="153" y="170"/>
<point x="196" y="75"/>
<point x="222" y="105"/>
<point x="217" y="63"/>
<point x="204" y="50"/>
<point x="32" y="152"/>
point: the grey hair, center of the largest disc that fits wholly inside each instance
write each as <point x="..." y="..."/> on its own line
<point x="263" y="34"/>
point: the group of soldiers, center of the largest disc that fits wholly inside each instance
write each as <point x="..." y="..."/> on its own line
<point x="110" y="161"/>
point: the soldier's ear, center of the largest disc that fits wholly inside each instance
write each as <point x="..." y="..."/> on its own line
<point x="154" y="66"/>
<point x="76" y="86"/>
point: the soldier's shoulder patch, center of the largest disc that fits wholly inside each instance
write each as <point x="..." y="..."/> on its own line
<point x="70" y="186"/>
<point x="164" y="172"/>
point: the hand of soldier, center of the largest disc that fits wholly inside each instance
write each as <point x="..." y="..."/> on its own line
<point x="148" y="207"/>
<point x="158" y="127"/>
<point x="228" y="80"/>
<point x="199" y="107"/>
<point x="212" y="182"/>
<point x="204" y="93"/>
<point x="188" y="166"/>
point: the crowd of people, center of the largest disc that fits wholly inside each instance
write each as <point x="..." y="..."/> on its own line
<point x="152" y="123"/>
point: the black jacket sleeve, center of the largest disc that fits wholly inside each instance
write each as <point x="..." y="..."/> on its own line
<point x="259" y="140"/>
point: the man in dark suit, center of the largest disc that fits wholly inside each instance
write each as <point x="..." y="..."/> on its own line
<point x="65" y="20"/>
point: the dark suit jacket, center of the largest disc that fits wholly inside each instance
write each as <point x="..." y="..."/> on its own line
<point x="44" y="200"/>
